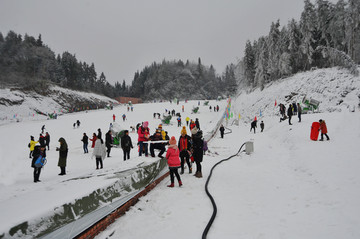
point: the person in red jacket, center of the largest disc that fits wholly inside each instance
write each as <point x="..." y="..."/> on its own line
<point x="323" y="130"/>
<point x="94" y="138"/>
<point x="173" y="160"/>
<point x="144" y="134"/>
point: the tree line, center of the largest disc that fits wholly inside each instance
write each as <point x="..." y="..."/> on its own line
<point x="28" y="63"/>
<point x="327" y="35"/>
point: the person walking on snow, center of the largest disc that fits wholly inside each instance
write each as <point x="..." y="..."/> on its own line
<point x="253" y="125"/>
<point x="126" y="144"/>
<point x="99" y="152"/>
<point x="197" y="146"/>
<point x="262" y="125"/>
<point x="290" y="113"/>
<point x="187" y="121"/>
<point x="185" y="147"/>
<point x="47" y="140"/>
<point x="93" y="140"/>
<point x="108" y="142"/>
<point x="299" y="111"/>
<point x="63" y="152"/>
<point x="172" y="156"/>
<point x="114" y="117"/>
<point x="222" y="130"/>
<point x="323" y="130"/>
<point x="143" y="137"/>
<point x="39" y="151"/>
<point x="85" y="141"/>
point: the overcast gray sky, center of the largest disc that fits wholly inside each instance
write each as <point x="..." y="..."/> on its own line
<point x="123" y="36"/>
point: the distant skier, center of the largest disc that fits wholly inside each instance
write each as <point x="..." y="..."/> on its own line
<point x="262" y="125"/>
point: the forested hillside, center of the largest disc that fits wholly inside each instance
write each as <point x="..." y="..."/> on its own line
<point x="327" y="35"/>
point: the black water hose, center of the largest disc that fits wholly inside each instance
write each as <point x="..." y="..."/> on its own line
<point x="207" y="228"/>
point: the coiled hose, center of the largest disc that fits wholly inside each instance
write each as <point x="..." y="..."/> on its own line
<point x="211" y="197"/>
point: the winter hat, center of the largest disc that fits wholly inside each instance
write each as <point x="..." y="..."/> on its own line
<point x="172" y="140"/>
<point x="160" y="126"/>
<point x="146" y="124"/>
<point x="183" y="131"/>
<point x="194" y="130"/>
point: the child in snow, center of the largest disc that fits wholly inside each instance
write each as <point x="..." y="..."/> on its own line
<point x="173" y="161"/>
<point x="32" y="145"/>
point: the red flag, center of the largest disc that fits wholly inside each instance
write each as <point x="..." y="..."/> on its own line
<point x="275" y="103"/>
<point x="255" y="119"/>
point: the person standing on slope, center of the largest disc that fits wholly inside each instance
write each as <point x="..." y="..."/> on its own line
<point x="172" y="156"/>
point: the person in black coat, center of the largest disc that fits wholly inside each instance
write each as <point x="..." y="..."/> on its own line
<point x="108" y="142"/>
<point x="197" y="123"/>
<point x="197" y="146"/>
<point x="42" y="140"/>
<point x="126" y="144"/>
<point x="47" y="140"/>
<point x="185" y="147"/>
<point x="290" y="113"/>
<point x="262" y="125"/>
<point x="85" y="141"/>
<point x="99" y="134"/>
<point x="253" y="125"/>
<point x="38" y="151"/>
<point x="161" y="146"/>
<point x="222" y="130"/>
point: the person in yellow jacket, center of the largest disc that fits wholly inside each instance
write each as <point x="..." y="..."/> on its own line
<point x="187" y="121"/>
<point x="32" y="145"/>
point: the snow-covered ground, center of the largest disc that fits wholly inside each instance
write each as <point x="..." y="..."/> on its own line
<point x="290" y="187"/>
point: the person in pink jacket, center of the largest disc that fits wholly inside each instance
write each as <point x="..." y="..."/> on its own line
<point x="173" y="160"/>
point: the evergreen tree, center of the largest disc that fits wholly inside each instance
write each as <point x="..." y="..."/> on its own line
<point x="249" y="64"/>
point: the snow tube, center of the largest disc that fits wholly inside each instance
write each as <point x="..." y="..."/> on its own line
<point x="314" y="134"/>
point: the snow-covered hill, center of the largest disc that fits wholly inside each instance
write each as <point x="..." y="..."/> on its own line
<point x="18" y="105"/>
<point x="336" y="89"/>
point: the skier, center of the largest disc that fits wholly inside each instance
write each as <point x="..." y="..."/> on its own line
<point x="172" y="156"/>
<point x="63" y="151"/>
<point x="323" y="130"/>
<point x="99" y="152"/>
<point x="85" y="141"/>
<point x="185" y="147"/>
<point x="253" y="125"/>
<point x="222" y="130"/>
<point x="262" y="125"/>
<point x="126" y="144"/>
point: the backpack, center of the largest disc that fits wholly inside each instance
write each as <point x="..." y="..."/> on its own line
<point x="40" y="161"/>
